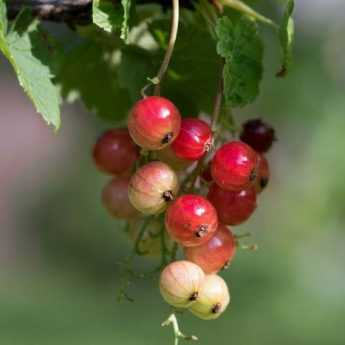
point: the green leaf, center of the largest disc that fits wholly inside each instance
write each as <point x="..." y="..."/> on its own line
<point x="192" y="77"/>
<point x="107" y="15"/>
<point x="26" y="49"/>
<point x="3" y="18"/>
<point x="137" y="64"/>
<point x="286" y="36"/>
<point x="90" y="74"/>
<point x="126" y="5"/>
<point x="241" y="47"/>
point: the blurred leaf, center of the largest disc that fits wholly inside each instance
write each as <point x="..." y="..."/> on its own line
<point x="107" y="15"/>
<point x="191" y="80"/>
<point x="126" y="4"/>
<point x="26" y="48"/>
<point x="137" y="64"/>
<point x="3" y="18"/>
<point x="286" y="35"/>
<point x="89" y="73"/>
<point x="241" y="47"/>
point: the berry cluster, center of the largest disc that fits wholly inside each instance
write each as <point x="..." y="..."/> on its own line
<point x="160" y="169"/>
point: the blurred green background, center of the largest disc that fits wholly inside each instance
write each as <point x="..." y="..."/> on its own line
<point x="60" y="252"/>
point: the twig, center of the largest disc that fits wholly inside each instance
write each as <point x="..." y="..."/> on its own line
<point x="172" y="39"/>
<point x="244" y="8"/>
<point x="172" y="320"/>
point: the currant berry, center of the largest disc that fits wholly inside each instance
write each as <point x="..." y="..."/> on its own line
<point x="233" y="207"/>
<point x="151" y="242"/>
<point x="213" y="298"/>
<point x="180" y="283"/>
<point x="115" y="152"/>
<point x="152" y="187"/>
<point x="234" y="166"/>
<point x="214" y="254"/>
<point x="154" y="122"/>
<point x="194" y="139"/>
<point x="115" y="199"/>
<point x="263" y="174"/>
<point x="191" y="220"/>
<point x="258" y="134"/>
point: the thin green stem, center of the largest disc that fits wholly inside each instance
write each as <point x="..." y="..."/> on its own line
<point x="172" y="320"/>
<point x="244" y="8"/>
<point x="172" y="39"/>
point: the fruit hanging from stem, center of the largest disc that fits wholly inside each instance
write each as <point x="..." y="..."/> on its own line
<point x="152" y="187"/>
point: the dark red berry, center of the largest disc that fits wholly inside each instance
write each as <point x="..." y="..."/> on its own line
<point x="263" y="175"/>
<point x="258" y="134"/>
<point x="154" y="122"/>
<point x="234" y="166"/>
<point x="194" y="139"/>
<point x="215" y="254"/>
<point x="233" y="207"/>
<point x="114" y="152"/>
<point x="191" y="220"/>
<point x="115" y="199"/>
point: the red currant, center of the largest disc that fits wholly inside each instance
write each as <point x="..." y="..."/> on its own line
<point x="115" y="199"/>
<point x="115" y="152"/>
<point x="213" y="298"/>
<point x="194" y="139"/>
<point x="263" y="174"/>
<point x="154" y="122"/>
<point x="180" y="283"/>
<point x="214" y="254"/>
<point x="233" y="207"/>
<point x="152" y="187"/>
<point x="191" y="220"/>
<point x="167" y="155"/>
<point x="258" y="134"/>
<point x="234" y="166"/>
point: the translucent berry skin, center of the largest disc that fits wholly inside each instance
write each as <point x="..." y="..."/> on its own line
<point x="213" y="298"/>
<point x="258" y="134"/>
<point x="152" y="187"/>
<point x="263" y="175"/>
<point x="115" y="152"/>
<point x="234" y="166"/>
<point x="154" y="122"/>
<point x="115" y="199"/>
<point x="191" y="220"/>
<point x="180" y="283"/>
<point x="215" y="254"/>
<point x="194" y="139"/>
<point x="233" y="207"/>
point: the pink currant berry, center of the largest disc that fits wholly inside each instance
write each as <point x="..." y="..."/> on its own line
<point x="152" y="187"/>
<point x="191" y="220"/>
<point x="258" y="134"/>
<point x="194" y="139"/>
<point x="213" y="298"/>
<point x="234" y="166"/>
<point x="214" y="254"/>
<point x="154" y="122"/>
<point x="263" y="175"/>
<point x="115" y="199"/>
<point x="233" y="207"/>
<point x="114" y="152"/>
<point x="180" y="282"/>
